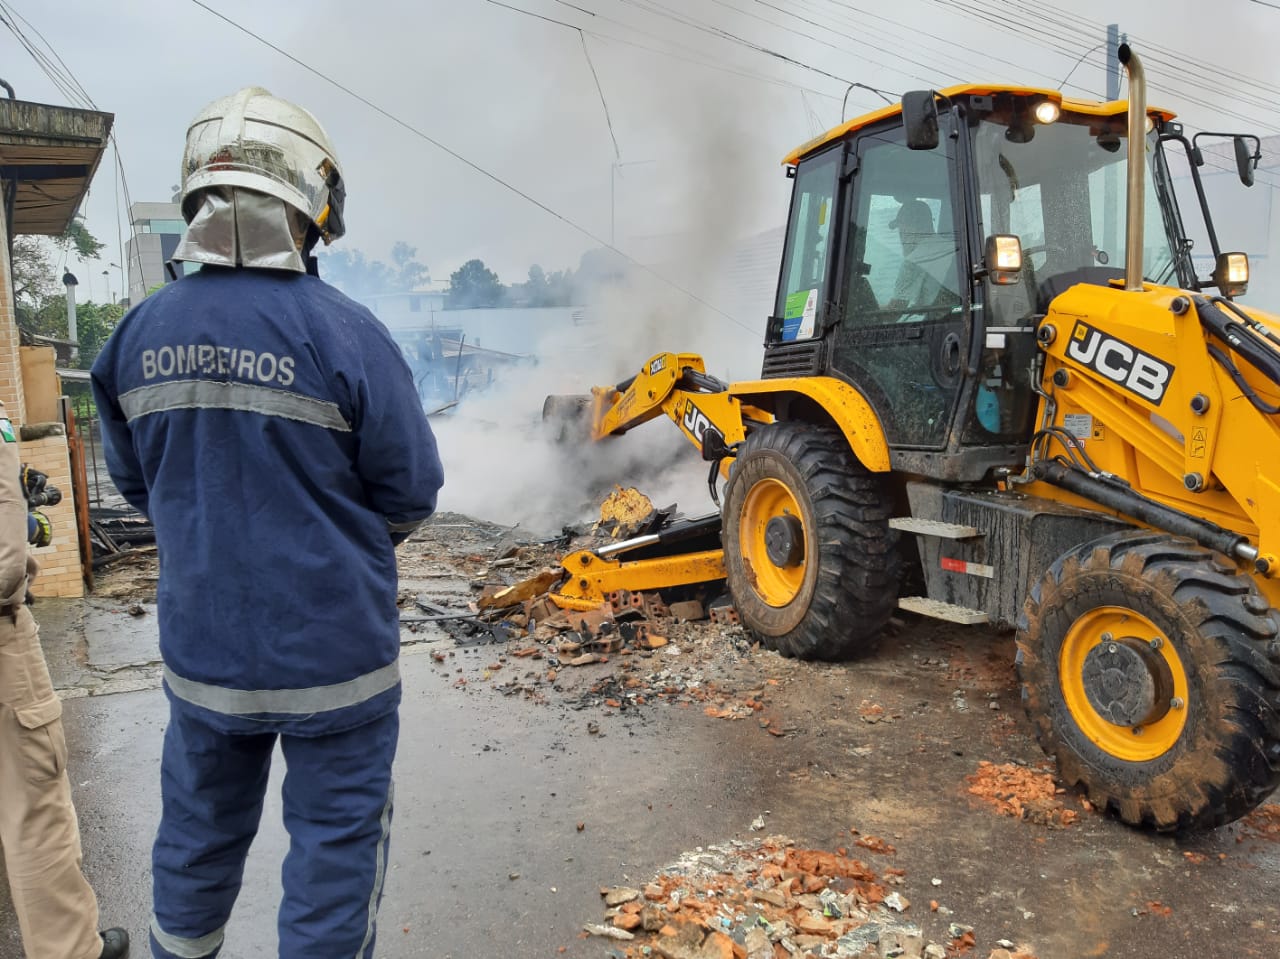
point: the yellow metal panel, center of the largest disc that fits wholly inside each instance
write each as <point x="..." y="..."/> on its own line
<point x="592" y="578"/>
<point x="643" y="400"/>
<point x="1069" y="105"/>
<point x="1154" y="444"/>
<point x="849" y="408"/>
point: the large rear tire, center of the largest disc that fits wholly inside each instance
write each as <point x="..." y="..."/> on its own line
<point x="809" y="556"/>
<point x="1151" y="671"/>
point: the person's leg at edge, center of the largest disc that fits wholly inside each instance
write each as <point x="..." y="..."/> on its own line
<point x="212" y="787"/>
<point x="39" y="832"/>
<point x="337" y="809"/>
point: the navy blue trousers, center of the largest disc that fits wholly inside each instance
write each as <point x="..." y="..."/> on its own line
<point x="337" y="810"/>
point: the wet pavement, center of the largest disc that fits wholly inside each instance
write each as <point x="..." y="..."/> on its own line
<point x="491" y="787"/>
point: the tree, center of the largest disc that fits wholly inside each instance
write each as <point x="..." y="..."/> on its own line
<point x="77" y="235"/>
<point x="357" y="276"/>
<point x="33" y="275"/>
<point x="543" y="289"/>
<point x="409" y="273"/>
<point x="34" y="278"/>
<point x="474" y="285"/>
<point x="561" y="288"/>
<point x="94" y="323"/>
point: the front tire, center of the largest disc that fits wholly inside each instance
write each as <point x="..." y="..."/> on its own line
<point x="810" y="559"/>
<point x="1151" y="671"/>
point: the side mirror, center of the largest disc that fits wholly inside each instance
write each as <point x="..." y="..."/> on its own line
<point x="920" y="119"/>
<point x="1245" y="161"/>
<point x="1003" y="258"/>
<point x="1231" y="274"/>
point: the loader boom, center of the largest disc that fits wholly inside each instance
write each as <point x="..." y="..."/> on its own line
<point x="675" y="385"/>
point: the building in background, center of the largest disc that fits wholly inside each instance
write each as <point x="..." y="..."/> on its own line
<point x="156" y="230"/>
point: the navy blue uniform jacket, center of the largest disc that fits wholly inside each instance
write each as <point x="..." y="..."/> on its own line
<point x="270" y="429"/>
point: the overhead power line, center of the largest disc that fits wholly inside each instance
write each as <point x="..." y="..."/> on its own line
<point x="1179" y="71"/>
<point x="617" y="154"/>
<point x="696" y="58"/>
<point x="469" y="163"/>
<point x="657" y="9"/>
<point x="930" y="68"/>
<point x="62" y="77"/>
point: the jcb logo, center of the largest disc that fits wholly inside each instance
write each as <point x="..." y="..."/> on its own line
<point x="695" y="421"/>
<point x="1138" y="372"/>
<point x="657" y="366"/>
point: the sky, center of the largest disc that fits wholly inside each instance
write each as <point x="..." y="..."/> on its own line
<point x="696" y="125"/>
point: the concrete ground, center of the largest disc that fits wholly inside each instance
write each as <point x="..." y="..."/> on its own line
<point x="487" y="859"/>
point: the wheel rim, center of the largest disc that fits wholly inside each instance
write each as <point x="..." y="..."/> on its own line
<point x="1123" y="683"/>
<point x="771" y="500"/>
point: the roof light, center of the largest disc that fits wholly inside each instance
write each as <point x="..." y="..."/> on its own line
<point x="1003" y="258"/>
<point x="1047" y="111"/>
<point x="1231" y="274"/>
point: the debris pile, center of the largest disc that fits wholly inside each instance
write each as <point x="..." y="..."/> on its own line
<point x="1264" y="822"/>
<point x="767" y="899"/>
<point x="657" y="644"/>
<point x="628" y="512"/>
<point x="653" y="651"/>
<point x="1022" y="792"/>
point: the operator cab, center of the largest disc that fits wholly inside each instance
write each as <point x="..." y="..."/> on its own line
<point x="885" y="284"/>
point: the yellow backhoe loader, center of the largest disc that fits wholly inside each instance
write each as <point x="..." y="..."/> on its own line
<point x="998" y="389"/>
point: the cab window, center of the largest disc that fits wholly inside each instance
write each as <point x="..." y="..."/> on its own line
<point x="804" y="265"/>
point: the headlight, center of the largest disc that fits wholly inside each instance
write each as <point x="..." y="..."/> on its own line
<point x="1231" y="274"/>
<point x="1047" y="111"/>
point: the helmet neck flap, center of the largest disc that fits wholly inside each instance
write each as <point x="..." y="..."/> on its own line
<point x="234" y="226"/>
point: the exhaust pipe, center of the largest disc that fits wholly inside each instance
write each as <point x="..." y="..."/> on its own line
<point x="1136" y="194"/>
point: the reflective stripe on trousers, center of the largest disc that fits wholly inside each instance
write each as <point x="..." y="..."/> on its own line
<point x="186" y="948"/>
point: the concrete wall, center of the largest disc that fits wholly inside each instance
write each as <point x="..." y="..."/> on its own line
<point x="60" y="573"/>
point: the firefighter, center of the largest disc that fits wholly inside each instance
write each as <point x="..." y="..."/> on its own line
<point x="270" y="429"/>
<point x="39" y="835"/>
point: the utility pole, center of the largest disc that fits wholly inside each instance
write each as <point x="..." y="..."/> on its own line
<point x="615" y="171"/>
<point x="70" y="282"/>
<point x="1113" y="61"/>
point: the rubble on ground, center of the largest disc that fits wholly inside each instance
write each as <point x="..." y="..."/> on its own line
<point x="1022" y="792"/>
<point x="1263" y="823"/>
<point x="769" y="899"/>
<point x="681" y="646"/>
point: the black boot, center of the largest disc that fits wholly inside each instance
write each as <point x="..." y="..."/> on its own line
<point x="115" y="944"/>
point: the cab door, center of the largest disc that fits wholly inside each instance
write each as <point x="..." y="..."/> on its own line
<point x="902" y="333"/>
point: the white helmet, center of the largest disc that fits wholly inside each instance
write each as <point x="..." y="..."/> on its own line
<point x="255" y="141"/>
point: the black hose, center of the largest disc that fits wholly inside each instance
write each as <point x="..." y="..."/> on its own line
<point x="1241" y="383"/>
<point x="1240" y="337"/>
<point x="690" y="529"/>
<point x="702" y="381"/>
<point x="1130" y="503"/>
